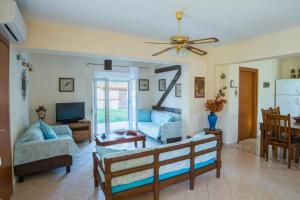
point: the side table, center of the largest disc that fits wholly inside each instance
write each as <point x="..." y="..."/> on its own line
<point x="216" y="132"/>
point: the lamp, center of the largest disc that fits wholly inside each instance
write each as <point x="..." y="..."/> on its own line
<point x="181" y="52"/>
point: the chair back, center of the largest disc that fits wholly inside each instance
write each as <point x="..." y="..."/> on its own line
<point x="266" y="112"/>
<point x="279" y="129"/>
<point x="275" y="110"/>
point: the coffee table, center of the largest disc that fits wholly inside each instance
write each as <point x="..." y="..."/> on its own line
<point x="114" y="138"/>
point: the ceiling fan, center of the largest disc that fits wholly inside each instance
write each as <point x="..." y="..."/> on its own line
<point x="181" y="44"/>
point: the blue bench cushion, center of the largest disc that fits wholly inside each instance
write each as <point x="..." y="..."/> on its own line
<point x="149" y="180"/>
<point x="166" y="171"/>
<point x="144" y="115"/>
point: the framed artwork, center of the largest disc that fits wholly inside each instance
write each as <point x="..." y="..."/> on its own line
<point x="199" y="87"/>
<point x="66" y="84"/>
<point x="162" y="85"/>
<point x="143" y="84"/>
<point x="178" y="90"/>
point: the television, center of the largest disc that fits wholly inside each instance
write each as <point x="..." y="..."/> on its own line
<point x="69" y="112"/>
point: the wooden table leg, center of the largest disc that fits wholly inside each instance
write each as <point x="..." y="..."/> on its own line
<point x="262" y="141"/>
<point x="144" y="143"/>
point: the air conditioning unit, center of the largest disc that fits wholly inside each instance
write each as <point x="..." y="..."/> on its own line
<point x="12" y="22"/>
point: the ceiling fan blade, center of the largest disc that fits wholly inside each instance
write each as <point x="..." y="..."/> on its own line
<point x="163" y="51"/>
<point x="203" y="41"/>
<point x="157" y="42"/>
<point x="195" y="50"/>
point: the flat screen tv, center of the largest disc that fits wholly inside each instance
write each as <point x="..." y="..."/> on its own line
<point x="69" y="112"/>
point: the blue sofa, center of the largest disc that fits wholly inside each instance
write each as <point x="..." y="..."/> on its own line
<point x="33" y="153"/>
<point x="160" y="125"/>
<point x="127" y="173"/>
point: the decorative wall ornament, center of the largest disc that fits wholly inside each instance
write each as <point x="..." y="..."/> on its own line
<point x="232" y="84"/>
<point x="25" y="64"/>
<point x="66" y="84"/>
<point x="199" y="87"/>
<point x="266" y="84"/>
<point x="24" y="83"/>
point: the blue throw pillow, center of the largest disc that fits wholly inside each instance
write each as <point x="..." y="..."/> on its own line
<point x="144" y="115"/>
<point x="48" y="131"/>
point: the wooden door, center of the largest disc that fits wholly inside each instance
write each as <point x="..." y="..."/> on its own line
<point x="6" y="186"/>
<point x="247" y="118"/>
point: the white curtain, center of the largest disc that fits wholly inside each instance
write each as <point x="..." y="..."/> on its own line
<point x="133" y="96"/>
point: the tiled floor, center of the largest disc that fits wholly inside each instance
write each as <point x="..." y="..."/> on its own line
<point x="244" y="176"/>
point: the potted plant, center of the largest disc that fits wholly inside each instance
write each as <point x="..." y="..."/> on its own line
<point x="215" y="105"/>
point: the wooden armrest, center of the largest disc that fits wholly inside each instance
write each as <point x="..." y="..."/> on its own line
<point x="97" y="161"/>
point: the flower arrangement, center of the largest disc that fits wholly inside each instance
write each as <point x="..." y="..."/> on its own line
<point x="216" y="104"/>
<point x="41" y="111"/>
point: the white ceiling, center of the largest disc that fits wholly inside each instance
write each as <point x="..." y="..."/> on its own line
<point x="229" y="20"/>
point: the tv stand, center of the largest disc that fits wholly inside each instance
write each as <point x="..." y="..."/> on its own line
<point x="81" y="130"/>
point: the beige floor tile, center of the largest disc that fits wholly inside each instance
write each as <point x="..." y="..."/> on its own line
<point x="244" y="176"/>
<point x="243" y="197"/>
<point x="214" y="196"/>
<point x="196" y="195"/>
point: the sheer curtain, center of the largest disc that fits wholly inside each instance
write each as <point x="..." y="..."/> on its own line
<point x="133" y="96"/>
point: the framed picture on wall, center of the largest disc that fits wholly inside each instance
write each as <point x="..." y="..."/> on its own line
<point x="143" y="84"/>
<point x="162" y="85"/>
<point x="178" y="90"/>
<point x="199" y="87"/>
<point x="66" y="84"/>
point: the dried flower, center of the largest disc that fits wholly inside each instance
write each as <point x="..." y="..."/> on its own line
<point x="217" y="103"/>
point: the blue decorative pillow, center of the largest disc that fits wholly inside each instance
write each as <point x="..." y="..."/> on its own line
<point x="144" y="115"/>
<point x="48" y="131"/>
<point x="102" y="151"/>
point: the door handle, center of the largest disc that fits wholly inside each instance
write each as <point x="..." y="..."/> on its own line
<point x="2" y="130"/>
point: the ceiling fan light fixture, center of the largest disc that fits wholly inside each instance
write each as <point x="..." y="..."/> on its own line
<point x="181" y="44"/>
<point x="182" y="52"/>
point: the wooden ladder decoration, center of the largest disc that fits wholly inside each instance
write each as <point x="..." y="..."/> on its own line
<point x="166" y="93"/>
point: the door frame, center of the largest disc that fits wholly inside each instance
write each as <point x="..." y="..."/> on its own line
<point x="8" y="161"/>
<point x="106" y="103"/>
<point x="254" y="98"/>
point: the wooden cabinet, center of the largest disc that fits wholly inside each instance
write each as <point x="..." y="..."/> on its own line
<point x="217" y="132"/>
<point x="81" y="131"/>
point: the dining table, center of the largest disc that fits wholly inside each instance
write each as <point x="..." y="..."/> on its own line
<point x="295" y="130"/>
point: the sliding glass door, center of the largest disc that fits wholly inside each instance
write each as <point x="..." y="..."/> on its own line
<point x="114" y="108"/>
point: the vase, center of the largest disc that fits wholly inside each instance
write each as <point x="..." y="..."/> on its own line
<point x="212" y="120"/>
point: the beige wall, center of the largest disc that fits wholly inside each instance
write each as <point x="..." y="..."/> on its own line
<point x="286" y="64"/>
<point x="19" y="107"/>
<point x="149" y="98"/>
<point x="268" y="71"/>
<point x="270" y="46"/>
<point x="52" y="37"/>
<point x="146" y="99"/>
